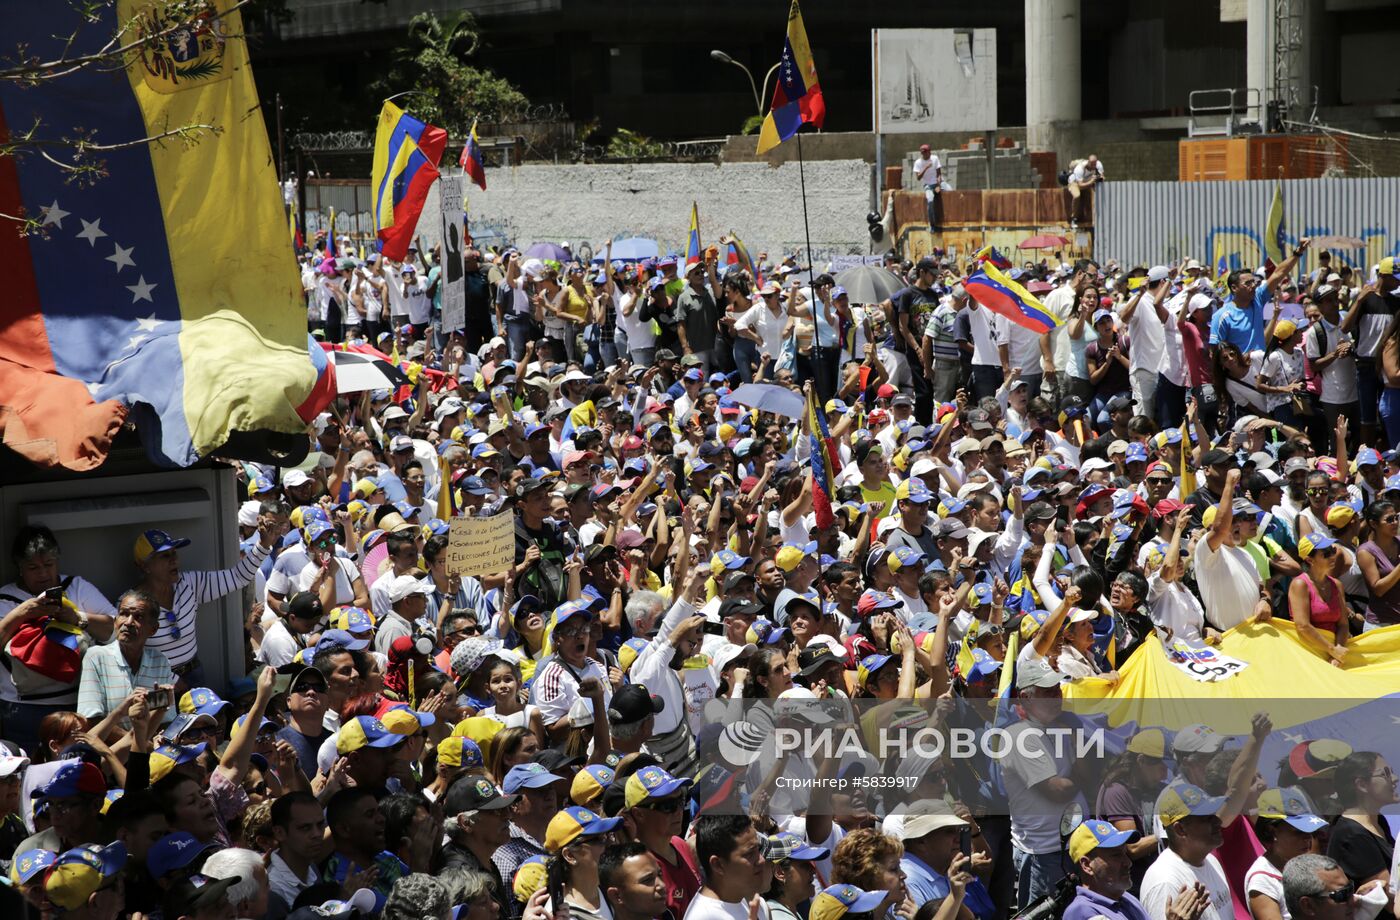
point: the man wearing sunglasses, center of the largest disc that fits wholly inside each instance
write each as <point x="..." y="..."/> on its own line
<point x="1316" y="888"/>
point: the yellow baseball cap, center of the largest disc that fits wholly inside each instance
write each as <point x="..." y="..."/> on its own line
<point x="81" y="871"/>
<point x="1093" y="834"/>
<point x="459" y="751"/>
<point x="589" y="783"/>
<point x="1150" y="742"/>
<point x="572" y="823"/>
<point x="1183" y="800"/>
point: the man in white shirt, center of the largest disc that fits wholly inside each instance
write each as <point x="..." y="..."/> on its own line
<point x="730" y="852"/>
<point x="1192" y="827"/>
<point x="287" y="635"/>
<point x="1225" y="573"/>
<point x="1332" y="351"/>
<point x="409" y="596"/>
<point x="1146" y="318"/>
<point x="1038" y="781"/>
<point x="928" y="172"/>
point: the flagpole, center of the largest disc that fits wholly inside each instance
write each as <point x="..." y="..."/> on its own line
<point x="811" y="273"/>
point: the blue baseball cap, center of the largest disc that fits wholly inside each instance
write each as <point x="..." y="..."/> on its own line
<point x="1093" y="834"/>
<point x="174" y="852"/>
<point x="333" y="639"/>
<point x="902" y="557"/>
<point x="528" y="776"/>
<point x="156" y="541"/>
<point x="1137" y="453"/>
<point x="474" y="485"/>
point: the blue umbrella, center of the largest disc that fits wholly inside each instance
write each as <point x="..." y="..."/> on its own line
<point x="632" y="249"/>
<point x="547" y="251"/>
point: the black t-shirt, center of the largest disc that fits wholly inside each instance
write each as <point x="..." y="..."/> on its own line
<point x="918" y="305"/>
<point x="1360" y="853"/>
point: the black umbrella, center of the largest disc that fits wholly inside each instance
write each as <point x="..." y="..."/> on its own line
<point x="870" y="283"/>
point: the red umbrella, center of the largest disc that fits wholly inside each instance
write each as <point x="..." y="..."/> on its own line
<point x="1040" y="287"/>
<point x="1044" y="241"/>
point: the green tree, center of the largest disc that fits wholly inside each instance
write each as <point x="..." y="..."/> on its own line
<point x="629" y="145"/>
<point x="450" y="92"/>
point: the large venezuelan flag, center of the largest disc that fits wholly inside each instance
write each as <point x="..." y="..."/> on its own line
<point x="406" y="154"/>
<point x="998" y="293"/>
<point x="167" y="287"/>
<point x="797" y="96"/>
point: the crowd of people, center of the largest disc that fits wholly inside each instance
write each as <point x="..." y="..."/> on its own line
<point x="998" y="515"/>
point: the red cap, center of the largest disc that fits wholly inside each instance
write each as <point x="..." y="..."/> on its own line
<point x="577" y="456"/>
<point x="747" y="483"/>
<point x="1167" y="506"/>
<point x="885" y="391"/>
<point x="1158" y="466"/>
<point x="632" y="442"/>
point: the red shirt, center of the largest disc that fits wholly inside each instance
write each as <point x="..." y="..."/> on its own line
<point x="1198" y="374"/>
<point x="682" y="877"/>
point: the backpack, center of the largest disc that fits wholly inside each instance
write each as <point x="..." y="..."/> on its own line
<point x="1312" y="378"/>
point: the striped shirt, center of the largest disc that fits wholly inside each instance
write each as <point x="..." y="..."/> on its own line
<point x="556" y="687"/>
<point x="176" y="636"/>
<point x="107" y="680"/>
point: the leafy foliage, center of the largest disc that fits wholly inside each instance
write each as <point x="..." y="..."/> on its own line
<point x="449" y="92"/>
<point x="631" y="145"/>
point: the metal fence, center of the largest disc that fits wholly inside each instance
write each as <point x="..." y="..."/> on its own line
<point x="1222" y="223"/>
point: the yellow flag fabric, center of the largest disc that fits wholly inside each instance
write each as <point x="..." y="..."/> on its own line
<point x="1153" y="691"/>
<point x="1188" y="476"/>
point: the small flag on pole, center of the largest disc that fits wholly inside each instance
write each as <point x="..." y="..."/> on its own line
<point x="471" y="161"/>
<point x="998" y="293"/>
<point x="1188" y="476"/>
<point x="990" y="254"/>
<point x="798" y="96"/>
<point x="406" y="154"/>
<point x="825" y="462"/>
<point x="693" y="252"/>
<point x="1273" y="226"/>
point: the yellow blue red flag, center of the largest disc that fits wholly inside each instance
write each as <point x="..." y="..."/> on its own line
<point x="826" y="462"/>
<point x="472" y="162"/>
<point x="798" y="96"/>
<point x="406" y="154"/>
<point x="693" y="252"/>
<point x="165" y="291"/>
<point x="998" y="293"/>
<point x="992" y="255"/>
<point x="1273" y="226"/>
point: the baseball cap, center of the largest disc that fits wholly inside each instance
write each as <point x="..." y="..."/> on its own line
<point x="1093" y="834"/>
<point x="590" y="782"/>
<point x="362" y="903"/>
<point x="913" y="490"/>
<point x="1197" y="739"/>
<point x="1291" y="806"/>
<point x="1036" y="672"/>
<point x="1183" y="800"/>
<point x="528" y="776"/>
<point x="836" y="901"/>
<point x="459" y="751"/>
<point x="29" y="864"/>
<point x="812" y="659"/>
<point x="79" y="872"/>
<point x="75" y="777"/>
<point x="650" y="783"/>
<point x="364" y="731"/>
<point x="354" y="620"/>
<point x="925" y="823"/>
<point x="174" y="852"/>
<point x="574" y="822"/>
<point x="1311" y="758"/>
<point x="406" y="585"/>
<point x="190" y="895"/>
<point x="154" y="541"/>
<point x="785" y="847"/>
<point x="475" y="793"/>
<point x="169" y="756"/>
<point x="902" y="557"/>
<point x="292" y="675"/>
<point x="1312" y="543"/>
<point x="333" y="639"/>
<point x="632" y="704"/>
<point x="202" y="701"/>
<point x="1150" y="742"/>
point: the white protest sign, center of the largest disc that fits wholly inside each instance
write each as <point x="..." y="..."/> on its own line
<point x="481" y="546"/>
<point x="1203" y="662"/>
<point x="453" y="277"/>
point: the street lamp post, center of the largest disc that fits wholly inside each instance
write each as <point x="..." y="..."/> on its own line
<point x="726" y="59"/>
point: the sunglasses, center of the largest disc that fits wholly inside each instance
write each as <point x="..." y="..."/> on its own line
<point x="666" y="806"/>
<point x="1340" y="896"/>
<point x="1318" y="490"/>
<point x="174" y="624"/>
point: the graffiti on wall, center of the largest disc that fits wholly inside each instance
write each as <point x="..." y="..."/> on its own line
<point x="1233" y="247"/>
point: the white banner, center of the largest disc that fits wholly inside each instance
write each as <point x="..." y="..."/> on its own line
<point x="454" y="289"/>
<point x="935" y="80"/>
<point x="1203" y="662"/>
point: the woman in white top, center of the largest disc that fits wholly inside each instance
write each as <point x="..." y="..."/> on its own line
<point x="1281" y="374"/>
<point x="503" y="685"/>
<point x="1313" y="518"/>
<point x="634" y="334"/>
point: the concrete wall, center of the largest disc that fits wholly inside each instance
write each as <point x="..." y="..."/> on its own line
<point x="761" y="204"/>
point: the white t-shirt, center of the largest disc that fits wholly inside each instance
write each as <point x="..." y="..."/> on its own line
<point x="1169" y="873"/>
<point x="1280" y="368"/>
<point x="639" y="334"/>
<point x="394" y="285"/>
<point x="416" y="299"/>
<point x="345" y="574"/>
<point x="1022" y="345"/>
<point x="985" y="336"/>
<point x="278" y="646"/>
<point x="1060" y="303"/>
<point x="1148" y="335"/>
<point x="1174" y="368"/>
<point x="929" y="177"/>
<point x="1339" y="377"/>
<point x="1229" y="584"/>
<point x="1174" y="607"/>
<point x="768" y="326"/>
<point x="704" y="907"/>
<point x="1266" y="879"/>
<point x="1035" y="818"/>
